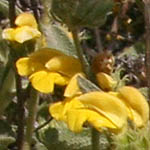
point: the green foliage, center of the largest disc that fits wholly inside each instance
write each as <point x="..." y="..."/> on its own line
<point x="83" y="13"/>
<point x="6" y="140"/>
<point x="58" y="38"/>
<point x="6" y="134"/>
<point x="56" y="135"/>
<point x="133" y="139"/>
<point x="86" y="85"/>
<point x="7" y="91"/>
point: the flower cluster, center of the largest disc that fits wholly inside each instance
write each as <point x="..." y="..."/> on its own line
<point x="47" y="67"/>
<point x="26" y="29"/>
<point x="101" y="109"/>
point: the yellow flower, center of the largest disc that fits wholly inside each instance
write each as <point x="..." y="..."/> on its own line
<point x="137" y="106"/>
<point x="26" y="29"/>
<point x="99" y="109"/>
<point x="47" y="67"/>
<point x="105" y="81"/>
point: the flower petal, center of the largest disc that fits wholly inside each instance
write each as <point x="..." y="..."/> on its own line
<point x="75" y="114"/>
<point x="129" y="111"/>
<point x="59" y="110"/>
<point x="72" y="88"/>
<point x="26" y="67"/>
<point x="44" y="55"/>
<point x="108" y="105"/>
<point x="137" y="103"/>
<point x="8" y="34"/>
<point x="44" y="81"/>
<point x="59" y="79"/>
<point x="105" y="81"/>
<point x="35" y="62"/>
<point x="25" y="33"/>
<point x="76" y="119"/>
<point x="66" y="65"/>
<point x="26" y="19"/>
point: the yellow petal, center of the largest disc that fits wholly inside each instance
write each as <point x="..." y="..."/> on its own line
<point x="105" y="81"/>
<point x="77" y="117"/>
<point x="109" y="106"/>
<point x="59" y="110"/>
<point x="22" y="66"/>
<point x="137" y="103"/>
<point x="72" y="88"/>
<point x="35" y="62"/>
<point x="8" y="34"/>
<point x="25" y="33"/>
<point x="26" y="67"/>
<point x="66" y="65"/>
<point x="137" y="119"/>
<point x="73" y="112"/>
<point x="44" y="81"/>
<point x="99" y="121"/>
<point x="129" y="110"/>
<point x="59" y="79"/>
<point x="26" y="19"/>
<point x="44" y="55"/>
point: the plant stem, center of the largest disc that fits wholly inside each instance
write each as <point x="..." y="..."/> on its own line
<point x="12" y="13"/>
<point x="98" y="40"/>
<point x="20" y="97"/>
<point x="32" y="107"/>
<point x="80" y="51"/>
<point x="86" y="70"/>
<point x="43" y="125"/>
<point x="147" y="28"/>
<point x="20" y="110"/>
<point x="95" y="139"/>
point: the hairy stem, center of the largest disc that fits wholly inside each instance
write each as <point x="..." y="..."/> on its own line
<point x="80" y="52"/>
<point x="32" y="108"/>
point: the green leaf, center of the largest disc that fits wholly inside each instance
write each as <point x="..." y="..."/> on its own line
<point x="86" y="85"/>
<point x="6" y="140"/>
<point x="56" y="136"/>
<point x="6" y="92"/>
<point x="40" y="146"/>
<point x="58" y="38"/>
<point x="6" y="135"/>
<point x="81" y="13"/>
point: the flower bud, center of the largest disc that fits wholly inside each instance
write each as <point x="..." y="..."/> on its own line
<point x="103" y="62"/>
